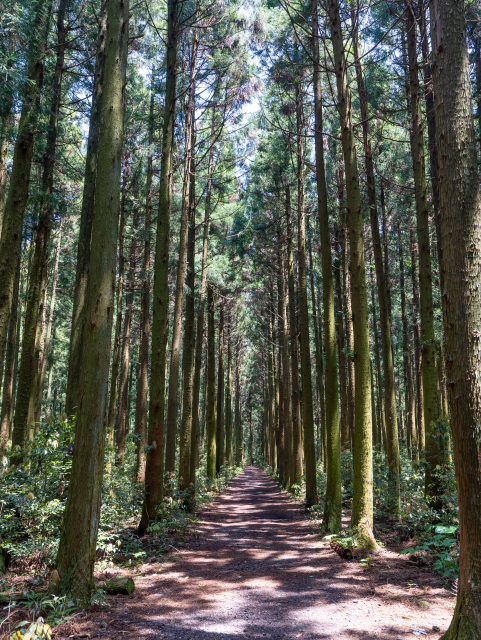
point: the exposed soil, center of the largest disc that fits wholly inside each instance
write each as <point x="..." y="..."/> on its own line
<point x="259" y="569"/>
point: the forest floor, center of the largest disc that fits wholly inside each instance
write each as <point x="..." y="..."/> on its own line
<point x="259" y="569"/>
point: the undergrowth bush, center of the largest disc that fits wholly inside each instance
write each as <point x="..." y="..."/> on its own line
<point x="33" y="497"/>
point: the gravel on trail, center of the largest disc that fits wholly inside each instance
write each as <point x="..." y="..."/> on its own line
<point x="259" y="569"/>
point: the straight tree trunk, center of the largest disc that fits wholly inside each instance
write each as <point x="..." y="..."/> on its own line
<point x="199" y="340"/>
<point x="417" y="350"/>
<point x="296" y="464"/>
<point x="429" y="373"/>
<point x="343" y="395"/>
<point x="408" y="370"/>
<point x="122" y="413"/>
<point x="11" y="241"/>
<point x="460" y="211"/>
<point x="86" y="216"/>
<point x="117" y="334"/>
<point x="46" y="346"/>
<point x="362" y="503"/>
<point x="237" y="415"/>
<point x="154" y="471"/>
<point x="6" y="414"/>
<point x="143" y="378"/>
<point x="305" y="350"/>
<point x="210" y="413"/>
<point x="219" y="433"/>
<point x="228" y="401"/>
<point x="30" y="361"/>
<point x="390" y="414"/>
<point x="173" y="399"/>
<point x="78" y="538"/>
<point x="347" y="312"/>
<point x="285" y="423"/>
<point x="332" y="507"/>
<point x="186" y="479"/>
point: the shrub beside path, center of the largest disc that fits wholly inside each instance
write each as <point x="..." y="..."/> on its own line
<point x="259" y="569"/>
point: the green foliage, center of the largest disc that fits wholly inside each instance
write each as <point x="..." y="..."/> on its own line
<point x="31" y="631"/>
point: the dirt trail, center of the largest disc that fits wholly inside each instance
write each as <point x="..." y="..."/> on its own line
<point x="260" y="570"/>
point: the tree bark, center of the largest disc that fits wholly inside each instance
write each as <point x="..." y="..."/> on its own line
<point x="78" y="538"/>
<point x="122" y="413"/>
<point x="428" y="343"/>
<point x="86" y="216"/>
<point x="173" y="399"/>
<point x="390" y="414"/>
<point x="362" y="504"/>
<point x="30" y="361"/>
<point x="305" y="350"/>
<point x="154" y="472"/>
<point x="296" y="463"/>
<point x="210" y="414"/>
<point x="229" y="448"/>
<point x="237" y="415"/>
<point x="46" y="346"/>
<point x="460" y="211"/>
<point x="219" y="433"/>
<point x="143" y="378"/>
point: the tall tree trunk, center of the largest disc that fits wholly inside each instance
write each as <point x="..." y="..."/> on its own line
<point x="332" y="506"/>
<point x="394" y="497"/>
<point x="228" y="401"/>
<point x="199" y="340"/>
<point x="46" y="346"/>
<point x="122" y="413"/>
<point x="78" y="538"/>
<point x="219" y="433"/>
<point x="460" y="211"/>
<point x="408" y="370"/>
<point x="237" y="415"/>
<point x="154" y="472"/>
<point x="285" y="422"/>
<point x="114" y="376"/>
<point x="11" y="241"/>
<point x="6" y="415"/>
<point x="305" y="350"/>
<point x="173" y="399"/>
<point x="429" y="373"/>
<point x="30" y="361"/>
<point x="186" y="473"/>
<point x="341" y="334"/>
<point x="210" y="414"/>
<point x="296" y="463"/>
<point x="86" y="216"/>
<point x="417" y="348"/>
<point x="143" y="378"/>
<point x="362" y="503"/>
<point x="346" y="310"/>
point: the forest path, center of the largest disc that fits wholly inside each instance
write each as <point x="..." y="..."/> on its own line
<point x="259" y="569"/>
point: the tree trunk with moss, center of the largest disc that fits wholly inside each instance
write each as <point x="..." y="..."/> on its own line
<point x="185" y="471"/>
<point x="143" y="378"/>
<point x="460" y="211"/>
<point x="362" y="504"/>
<point x="154" y="471"/>
<point x="122" y="413"/>
<point x="428" y="343"/>
<point x="332" y="508"/>
<point x="210" y="412"/>
<point x="13" y="217"/>
<point x="390" y="414"/>
<point x="6" y="414"/>
<point x="237" y="415"/>
<point x="305" y="350"/>
<point x="229" y="448"/>
<point x="173" y="398"/>
<point x="30" y="361"/>
<point x="285" y="424"/>
<point x="296" y="464"/>
<point x="78" y="538"/>
<point x="85" y="230"/>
